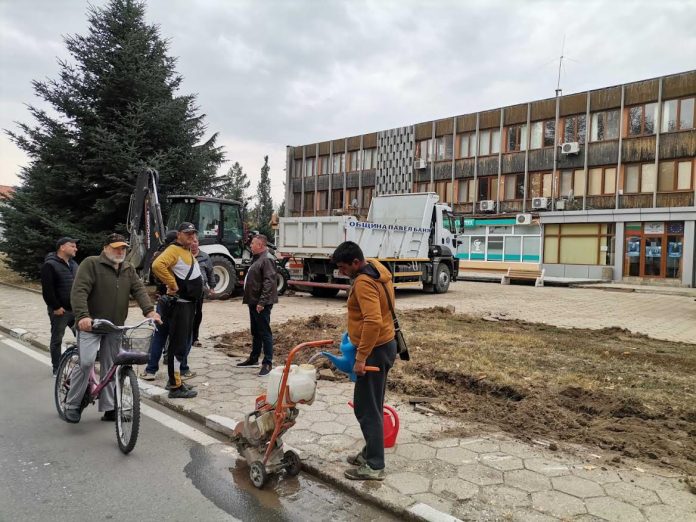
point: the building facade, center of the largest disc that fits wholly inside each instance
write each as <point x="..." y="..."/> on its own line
<point x="599" y="184"/>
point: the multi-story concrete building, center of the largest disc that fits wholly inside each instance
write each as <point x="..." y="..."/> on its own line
<point x="598" y="184"/>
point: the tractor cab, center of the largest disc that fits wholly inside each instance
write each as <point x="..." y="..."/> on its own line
<point x="219" y="221"/>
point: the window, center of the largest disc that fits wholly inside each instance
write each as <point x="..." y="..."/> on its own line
<point x="489" y="142"/>
<point x="579" y="244"/>
<point x="354" y="160"/>
<point x="369" y="159"/>
<point x="574" y="128"/>
<point x="674" y="175"/>
<point x="641" y="119"/>
<point x="424" y="149"/>
<point x="337" y="199"/>
<point x="323" y="165"/>
<point x="678" y="115"/>
<point x="540" y="184"/>
<point x="322" y="199"/>
<point x="517" y="138"/>
<point x="339" y="162"/>
<point x="466" y="145"/>
<point x="352" y="198"/>
<point x="487" y="188"/>
<point x="296" y="201"/>
<point x="639" y="178"/>
<point x="465" y="191"/>
<point x="513" y="187"/>
<point x="443" y="148"/>
<point x="367" y="196"/>
<point x="309" y="202"/>
<point x="605" y="126"/>
<point x="444" y="190"/>
<point x="601" y="181"/>
<point x="542" y="134"/>
<point x="309" y="167"/>
<point x="297" y="169"/>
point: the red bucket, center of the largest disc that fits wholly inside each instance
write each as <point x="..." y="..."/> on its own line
<point x="391" y="425"/>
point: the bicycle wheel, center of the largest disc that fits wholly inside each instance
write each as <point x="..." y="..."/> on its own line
<point x="127" y="406"/>
<point x="62" y="383"/>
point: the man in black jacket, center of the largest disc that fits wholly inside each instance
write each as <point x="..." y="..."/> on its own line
<point x="260" y="294"/>
<point x="57" y="275"/>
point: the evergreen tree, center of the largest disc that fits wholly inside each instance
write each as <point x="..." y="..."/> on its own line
<point x="281" y="208"/>
<point x="118" y="111"/>
<point x="264" y="206"/>
<point x="232" y="185"/>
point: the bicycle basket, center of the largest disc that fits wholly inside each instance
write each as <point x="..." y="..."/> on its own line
<point x="138" y="339"/>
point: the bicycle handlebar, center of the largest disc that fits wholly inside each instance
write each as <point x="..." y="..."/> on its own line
<point x="106" y="325"/>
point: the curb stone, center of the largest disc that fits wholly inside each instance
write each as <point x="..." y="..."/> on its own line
<point x="224" y="425"/>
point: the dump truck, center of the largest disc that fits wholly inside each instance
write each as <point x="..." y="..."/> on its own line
<point x="410" y="234"/>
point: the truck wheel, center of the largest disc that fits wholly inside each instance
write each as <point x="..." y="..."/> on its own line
<point x="442" y="279"/>
<point x="282" y="276"/>
<point x="225" y="275"/>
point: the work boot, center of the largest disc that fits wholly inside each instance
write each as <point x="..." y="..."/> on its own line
<point x="248" y="362"/>
<point x="182" y="393"/>
<point x="72" y="416"/>
<point x="364" y="472"/>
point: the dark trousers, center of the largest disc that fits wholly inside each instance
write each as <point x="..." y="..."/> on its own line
<point x="58" y="325"/>
<point x="261" y="334"/>
<point x="159" y="341"/>
<point x="368" y="400"/>
<point x="197" y="319"/>
<point x="180" y="328"/>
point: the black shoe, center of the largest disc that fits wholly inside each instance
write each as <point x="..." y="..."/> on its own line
<point x="183" y="386"/>
<point x="249" y="362"/>
<point x="72" y="416"/>
<point x="182" y="393"/>
<point x="109" y="416"/>
<point x="265" y="370"/>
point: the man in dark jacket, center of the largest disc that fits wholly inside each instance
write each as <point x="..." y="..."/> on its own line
<point x="102" y="289"/>
<point x="260" y="294"/>
<point x="57" y="275"/>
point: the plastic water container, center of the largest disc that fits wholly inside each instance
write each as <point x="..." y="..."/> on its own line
<point x="303" y="383"/>
<point x="274" y="380"/>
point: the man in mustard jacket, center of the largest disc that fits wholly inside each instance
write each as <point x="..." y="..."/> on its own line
<point x="178" y="269"/>
<point x="371" y="330"/>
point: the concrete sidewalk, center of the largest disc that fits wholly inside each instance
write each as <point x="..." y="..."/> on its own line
<point x="482" y="477"/>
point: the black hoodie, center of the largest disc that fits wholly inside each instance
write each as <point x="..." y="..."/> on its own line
<point x="57" y="278"/>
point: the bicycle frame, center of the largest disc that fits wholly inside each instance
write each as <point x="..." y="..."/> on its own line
<point x="96" y="386"/>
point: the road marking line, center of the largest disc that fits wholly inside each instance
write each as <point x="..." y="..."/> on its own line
<point x="182" y="428"/>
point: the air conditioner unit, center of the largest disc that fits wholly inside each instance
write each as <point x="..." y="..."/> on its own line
<point x="570" y="147"/>
<point x="561" y="204"/>
<point x="487" y="205"/>
<point x="539" y="203"/>
<point x="523" y="219"/>
<point x="421" y="164"/>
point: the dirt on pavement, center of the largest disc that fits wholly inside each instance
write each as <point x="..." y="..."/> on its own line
<point x="607" y="388"/>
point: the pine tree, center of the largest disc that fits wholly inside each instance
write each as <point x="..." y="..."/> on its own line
<point x="264" y="206"/>
<point x="232" y="185"/>
<point x="118" y="111"/>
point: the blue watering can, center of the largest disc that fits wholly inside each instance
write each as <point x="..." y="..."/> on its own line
<point x="346" y="360"/>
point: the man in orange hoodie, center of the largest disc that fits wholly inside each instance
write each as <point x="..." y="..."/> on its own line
<point x="371" y="330"/>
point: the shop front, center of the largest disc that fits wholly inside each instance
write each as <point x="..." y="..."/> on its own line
<point x="654" y="250"/>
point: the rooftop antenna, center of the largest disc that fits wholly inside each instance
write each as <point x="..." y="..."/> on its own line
<point x="560" y="64"/>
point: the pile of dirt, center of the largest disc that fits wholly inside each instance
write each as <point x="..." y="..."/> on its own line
<point x="606" y="388"/>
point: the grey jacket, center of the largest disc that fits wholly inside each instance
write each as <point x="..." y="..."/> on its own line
<point x="206" y="265"/>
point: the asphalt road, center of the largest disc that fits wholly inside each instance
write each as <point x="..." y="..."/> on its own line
<point x="178" y="471"/>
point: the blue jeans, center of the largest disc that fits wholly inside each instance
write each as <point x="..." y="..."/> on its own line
<point x="261" y="334"/>
<point x="159" y="341"/>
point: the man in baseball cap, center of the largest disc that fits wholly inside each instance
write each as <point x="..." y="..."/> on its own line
<point x="64" y="240"/>
<point x="187" y="228"/>
<point x="116" y="241"/>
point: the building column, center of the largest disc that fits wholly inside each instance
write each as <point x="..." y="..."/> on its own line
<point x="619" y="251"/>
<point x="689" y="253"/>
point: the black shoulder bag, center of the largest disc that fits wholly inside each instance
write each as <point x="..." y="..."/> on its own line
<point x="401" y="347"/>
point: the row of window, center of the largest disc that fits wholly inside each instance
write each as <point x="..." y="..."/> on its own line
<point x="340" y="162"/>
<point x="640" y="120"/>
<point x="319" y="200"/>
<point x="670" y="176"/>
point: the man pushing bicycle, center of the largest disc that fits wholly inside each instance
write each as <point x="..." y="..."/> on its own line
<point x="102" y="289"/>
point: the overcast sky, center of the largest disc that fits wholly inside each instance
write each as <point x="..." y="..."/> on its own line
<point x="290" y="72"/>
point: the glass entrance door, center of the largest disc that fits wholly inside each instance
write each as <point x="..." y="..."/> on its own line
<point x="632" y="267"/>
<point x="652" y="252"/>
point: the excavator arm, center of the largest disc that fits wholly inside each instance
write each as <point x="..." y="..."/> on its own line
<point x="144" y="223"/>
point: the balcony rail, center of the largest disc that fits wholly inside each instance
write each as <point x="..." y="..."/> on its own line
<point x="636" y="201"/>
<point x="675" y="199"/>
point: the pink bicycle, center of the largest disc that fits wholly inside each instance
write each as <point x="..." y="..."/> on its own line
<point x="134" y="350"/>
